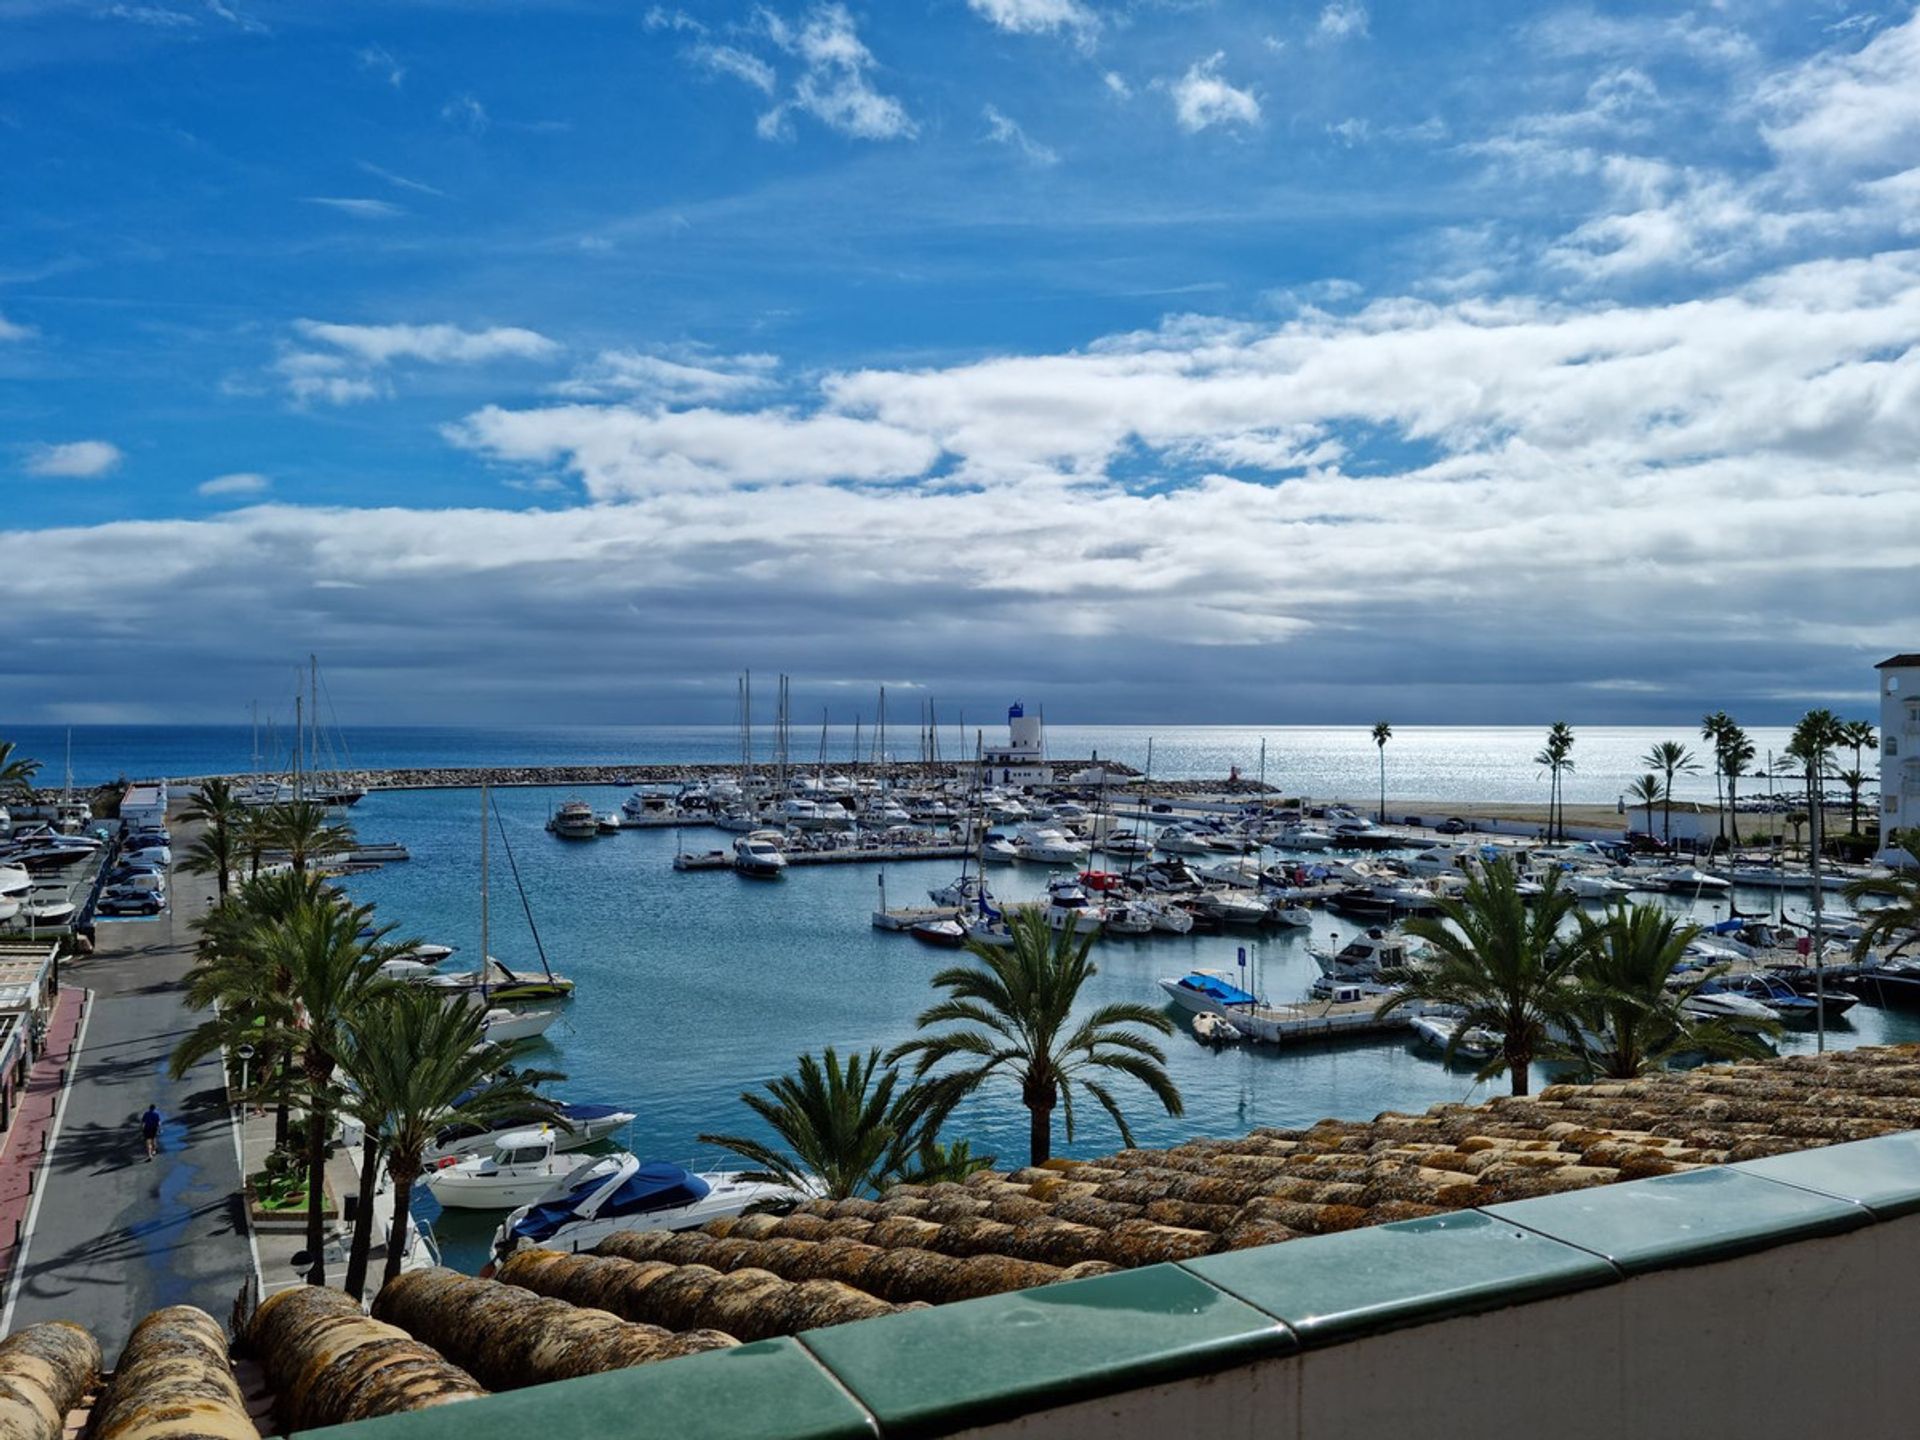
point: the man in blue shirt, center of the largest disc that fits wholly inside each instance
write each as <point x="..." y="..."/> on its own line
<point x="150" y="1130"/>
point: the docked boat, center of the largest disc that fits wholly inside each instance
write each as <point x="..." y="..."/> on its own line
<point x="623" y="1192"/>
<point x="1293" y="917"/>
<point x="574" y="820"/>
<point x="1045" y="845"/>
<point x="1000" y="850"/>
<point x="1181" y="840"/>
<point x="1787" y="1003"/>
<point x="522" y="1166"/>
<point x="1211" y="1029"/>
<point x="575" y="1128"/>
<point x="1230" y="907"/>
<point x="1129" y="917"/>
<point x="503" y="1027"/>
<point x="1739" y="1011"/>
<point x="1208" y="992"/>
<point x="1126" y="845"/>
<point x="1069" y="907"/>
<point x="1684" y="880"/>
<point x="1892" y="982"/>
<point x="1166" y="919"/>
<point x="494" y="981"/>
<point x="761" y="855"/>
<point x="1377" y="955"/>
<point x="1448" y="1035"/>
<point x="968" y="890"/>
<point x="1302" y="837"/>
<point x="942" y="934"/>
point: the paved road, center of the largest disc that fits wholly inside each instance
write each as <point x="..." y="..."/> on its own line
<point x="116" y="1235"/>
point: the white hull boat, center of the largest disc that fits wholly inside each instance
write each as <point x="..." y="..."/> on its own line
<point x="1210" y="1029"/>
<point x="1444" y="1033"/>
<point x="583" y="1125"/>
<point x="760" y="855"/>
<point x="521" y="1168"/>
<point x="620" y="1192"/>
<point x="503" y="1027"/>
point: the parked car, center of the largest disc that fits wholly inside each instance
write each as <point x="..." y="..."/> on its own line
<point x="133" y="902"/>
<point x="1453" y="825"/>
<point x="1413" y="820"/>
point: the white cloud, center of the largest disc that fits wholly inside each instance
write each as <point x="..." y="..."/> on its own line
<point x="1202" y="99"/>
<point x="661" y="18"/>
<point x="74" y="460"/>
<point x="401" y="182"/>
<point x="11" y="331"/>
<point x="1852" y="109"/>
<point x="244" y="482"/>
<point x="433" y="344"/>
<point x="360" y="207"/>
<point x="350" y="366"/>
<point x="1038" y="17"/>
<point x="466" y="113"/>
<point x="696" y="378"/>
<point x="1004" y="131"/>
<point x="622" y="453"/>
<point x="1117" y="84"/>
<point x="730" y="60"/>
<point x="835" y="85"/>
<point x="155" y="16"/>
<point x="379" y="60"/>
<point x="1341" y="20"/>
<point x="244" y="23"/>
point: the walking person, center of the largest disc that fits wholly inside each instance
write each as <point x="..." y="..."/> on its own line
<point x="150" y="1130"/>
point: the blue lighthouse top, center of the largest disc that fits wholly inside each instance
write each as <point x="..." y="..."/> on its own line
<point x="1016" y="710"/>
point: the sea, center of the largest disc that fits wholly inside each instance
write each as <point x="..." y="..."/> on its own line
<point x="694" y="987"/>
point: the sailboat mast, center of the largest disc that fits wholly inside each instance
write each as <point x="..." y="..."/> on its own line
<point x="299" y="740"/>
<point x="313" y="709"/>
<point x="485" y="914"/>
<point x="256" y="737"/>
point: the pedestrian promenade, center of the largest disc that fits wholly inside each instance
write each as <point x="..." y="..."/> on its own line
<point x="115" y="1235"/>
<point x="23" y="1153"/>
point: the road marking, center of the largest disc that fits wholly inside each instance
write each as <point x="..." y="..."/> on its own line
<point x="46" y="1160"/>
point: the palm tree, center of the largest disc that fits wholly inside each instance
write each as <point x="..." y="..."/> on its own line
<point x="1016" y="1009"/>
<point x="1896" y="924"/>
<point x="1382" y="732"/>
<point x="303" y="829"/>
<point x="1500" y="964"/>
<point x="1713" y="729"/>
<point x="1733" y="752"/>
<point x="215" y="849"/>
<point x="1814" y="740"/>
<point x="935" y="1163"/>
<point x="16" y="775"/>
<point x="1858" y="736"/>
<point x="846" y="1130"/>
<point x="331" y="973"/>
<point x="1630" y="1019"/>
<point x="1557" y="758"/>
<point x="1647" y="791"/>
<point x="418" y="1065"/>
<point x="1671" y="758"/>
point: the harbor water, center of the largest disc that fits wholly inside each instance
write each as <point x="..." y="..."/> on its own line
<point x="696" y="986"/>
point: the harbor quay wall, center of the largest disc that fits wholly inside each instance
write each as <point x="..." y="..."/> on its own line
<point x="459" y="777"/>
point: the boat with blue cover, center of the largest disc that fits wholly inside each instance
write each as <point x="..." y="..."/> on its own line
<point x="623" y="1192"/>
<point x="1208" y="992"/>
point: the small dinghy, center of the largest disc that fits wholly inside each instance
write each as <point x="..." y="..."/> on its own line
<point x="1210" y="1029"/>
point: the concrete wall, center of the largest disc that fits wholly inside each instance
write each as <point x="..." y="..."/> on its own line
<point x="1809" y="1339"/>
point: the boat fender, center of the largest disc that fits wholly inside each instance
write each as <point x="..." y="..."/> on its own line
<point x="445" y="1160"/>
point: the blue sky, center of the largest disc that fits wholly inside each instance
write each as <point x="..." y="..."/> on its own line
<point x="1176" y="359"/>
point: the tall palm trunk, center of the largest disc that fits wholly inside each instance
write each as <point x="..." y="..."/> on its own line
<point x="403" y="1172"/>
<point x="1519" y="1067"/>
<point x="319" y="1072"/>
<point x="356" y="1282"/>
<point x="1039" y="1096"/>
<point x="1733" y="815"/>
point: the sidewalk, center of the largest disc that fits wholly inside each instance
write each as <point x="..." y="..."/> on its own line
<point x="24" y="1153"/>
<point x="117" y="1236"/>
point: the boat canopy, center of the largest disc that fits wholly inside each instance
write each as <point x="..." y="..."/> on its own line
<point x="1214" y="988"/>
<point x="655" y="1185"/>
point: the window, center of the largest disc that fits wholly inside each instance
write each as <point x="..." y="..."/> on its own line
<point x="1892" y="748"/>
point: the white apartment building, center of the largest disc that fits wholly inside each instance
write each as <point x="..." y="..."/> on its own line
<point x="1899" y="749"/>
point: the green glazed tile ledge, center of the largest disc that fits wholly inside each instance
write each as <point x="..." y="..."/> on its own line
<point x="1332" y="1288"/>
<point x="928" y="1372"/>
<point x="1882" y="1174"/>
<point x="770" y="1390"/>
<point x="1689" y="1218"/>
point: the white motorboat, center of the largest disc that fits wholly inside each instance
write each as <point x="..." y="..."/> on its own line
<point x="1167" y="919"/>
<point x="1171" y="874"/>
<point x="1301" y="837"/>
<point x="427" y="953"/>
<point x="1241" y="874"/>
<point x="1294" y="917"/>
<point x="761" y="854"/>
<point x="1000" y="850"/>
<point x="503" y="1027"/>
<point x="610" y="823"/>
<point x="966" y="890"/>
<point x="1044" y="845"/>
<point x="1208" y="992"/>
<point x="1179" y="840"/>
<point x="1211" y="1029"/>
<point x="1230" y="907"/>
<point x="522" y="1166"/>
<point x="493" y="982"/>
<point x="1130" y="917"/>
<point x="1126" y="845"/>
<point x="578" y="1127"/>
<point x="1686" y="880"/>
<point x="1445" y="1034"/>
<point x="15" y="882"/>
<point x="1375" y="955"/>
<point x="622" y="1192"/>
<point x="1739" y="1011"/>
<point x="47" y="912"/>
<point x="574" y="820"/>
<point x="1068" y="905"/>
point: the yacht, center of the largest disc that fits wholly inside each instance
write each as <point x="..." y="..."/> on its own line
<point x="1376" y="955"/>
<point x="1450" y="1037"/>
<point x="575" y="820"/>
<point x="503" y="1027"/>
<point x="968" y="890"/>
<point x="1230" y="907"/>
<point x="1293" y="917"/>
<point x="1179" y="840"/>
<point x="623" y="1192"/>
<point x="1126" y="845"/>
<point x="761" y="855"/>
<point x="1129" y="917"/>
<point x="578" y="1127"/>
<point x="1000" y="850"/>
<point x="522" y="1166"/>
<point x="1068" y="905"/>
<point x="1045" y="845"/>
<point x="1740" y="1011"/>
<point x="1301" y="837"/>
<point x="494" y="981"/>
<point x="1167" y="919"/>
<point x="1241" y="874"/>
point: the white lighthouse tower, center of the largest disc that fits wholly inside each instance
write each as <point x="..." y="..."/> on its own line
<point x="1022" y="761"/>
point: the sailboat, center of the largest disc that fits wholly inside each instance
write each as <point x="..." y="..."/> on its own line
<point x="493" y="983"/>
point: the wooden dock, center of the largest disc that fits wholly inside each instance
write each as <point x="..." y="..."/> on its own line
<point x="723" y="859"/>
